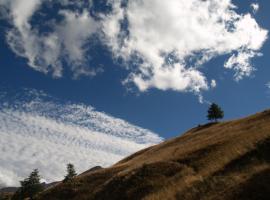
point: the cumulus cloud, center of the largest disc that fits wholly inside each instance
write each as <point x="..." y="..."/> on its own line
<point x="74" y="33"/>
<point x="46" y="51"/>
<point x="213" y="84"/>
<point x="255" y="7"/>
<point x="164" y="44"/>
<point x="175" y="77"/>
<point x="240" y="63"/>
<point x="168" y="41"/>
<point x="38" y="131"/>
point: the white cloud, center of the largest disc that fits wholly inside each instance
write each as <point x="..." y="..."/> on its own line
<point x="164" y="43"/>
<point x="46" y="52"/>
<point x="241" y="64"/>
<point x="38" y="131"/>
<point x="171" y="40"/>
<point x="213" y="84"/>
<point x="268" y="85"/>
<point x="255" y="7"/>
<point x="176" y="77"/>
<point x="75" y="32"/>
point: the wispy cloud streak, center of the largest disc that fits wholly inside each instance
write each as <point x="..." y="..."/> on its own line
<point x="38" y="131"/>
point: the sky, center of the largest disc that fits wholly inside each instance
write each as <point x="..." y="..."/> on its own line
<point x="152" y="64"/>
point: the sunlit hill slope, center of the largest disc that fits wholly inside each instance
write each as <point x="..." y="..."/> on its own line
<point x="227" y="160"/>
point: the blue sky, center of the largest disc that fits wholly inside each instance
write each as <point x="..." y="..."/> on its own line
<point x="167" y="112"/>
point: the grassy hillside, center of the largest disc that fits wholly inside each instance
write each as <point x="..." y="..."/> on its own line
<point x="228" y="160"/>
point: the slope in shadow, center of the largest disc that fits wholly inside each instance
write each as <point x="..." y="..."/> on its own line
<point x="256" y="188"/>
<point x="260" y="154"/>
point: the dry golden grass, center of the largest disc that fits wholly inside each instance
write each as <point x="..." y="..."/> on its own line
<point x="228" y="160"/>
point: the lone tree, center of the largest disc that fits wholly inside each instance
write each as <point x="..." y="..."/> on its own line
<point x="215" y="113"/>
<point x="29" y="187"/>
<point x="71" y="173"/>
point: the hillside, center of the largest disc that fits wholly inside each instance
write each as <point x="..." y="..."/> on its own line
<point x="228" y="160"/>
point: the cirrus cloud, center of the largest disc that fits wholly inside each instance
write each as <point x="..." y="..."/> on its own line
<point x="38" y="131"/>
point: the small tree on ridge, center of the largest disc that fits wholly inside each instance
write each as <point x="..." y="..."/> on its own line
<point x="215" y="112"/>
<point x="30" y="187"/>
<point x="71" y="173"/>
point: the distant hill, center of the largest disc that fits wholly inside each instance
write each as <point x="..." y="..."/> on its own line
<point x="224" y="161"/>
<point x="8" y="189"/>
<point x="7" y="192"/>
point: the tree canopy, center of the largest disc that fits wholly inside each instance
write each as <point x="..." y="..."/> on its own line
<point x="29" y="186"/>
<point x="71" y="173"/>
<point x="215" y="112"/>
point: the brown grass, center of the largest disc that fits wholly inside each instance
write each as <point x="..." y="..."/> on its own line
<point x="228" y="160"/>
